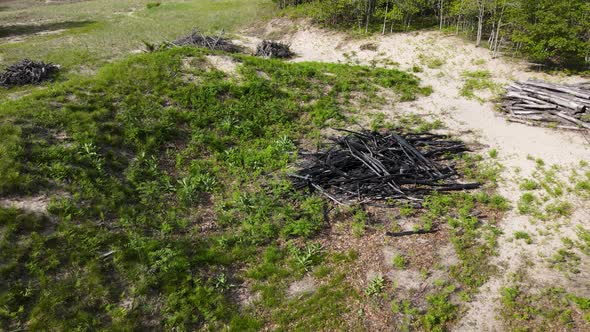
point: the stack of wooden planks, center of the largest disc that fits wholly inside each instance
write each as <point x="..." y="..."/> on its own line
<point x="548" y="104"/>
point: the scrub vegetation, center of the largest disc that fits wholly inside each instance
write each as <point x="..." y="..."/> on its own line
<point x="152" y="191"/>
<point x="166" y="182"/>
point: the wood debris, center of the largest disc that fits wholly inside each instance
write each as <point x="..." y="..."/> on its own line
<point x="27" y="72"/>
<point x="273" y="49"/>
<point x="368" y="166"/>
<point x="533" y="102"/>
<point x="218" y="43"/>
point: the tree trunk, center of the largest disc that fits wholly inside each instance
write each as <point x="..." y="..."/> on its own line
<point x="497" y="42"/>
<point x="440" y="10"/>
<point x="368" y="16"/>
<point x="385" y="17"/>
<point x="480" y="15"/>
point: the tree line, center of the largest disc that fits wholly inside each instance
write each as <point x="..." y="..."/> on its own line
<point x="550" y="32"/>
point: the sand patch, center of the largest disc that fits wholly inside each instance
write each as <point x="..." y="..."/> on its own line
<point x="224" y="63"/>
<point x="304" y="286"/>
<point x="36" y="204"/>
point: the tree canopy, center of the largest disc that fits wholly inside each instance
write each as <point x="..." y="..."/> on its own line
<point x="550" y="32"/>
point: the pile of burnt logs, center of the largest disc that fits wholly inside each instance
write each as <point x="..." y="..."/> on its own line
<point x="198" y="39"/>
<point x="272" y="49"/>
<point x="27" y="72"/>
<point x="364" y="166"/>
<point x="535" y="102"/>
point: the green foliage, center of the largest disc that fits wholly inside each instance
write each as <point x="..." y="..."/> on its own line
<point x="493" y="153"/>
<point x="375" y="286"/>
<point x="548" y="32"/>
<point x="321" y="310"/>
<point x="97" y="32"/>
<point x="473" y="241"/>
<point x="431" y="61"/>
<point x="11" y="150"/>
<point x="151" y="5"/>
<point x="566" y="261"/>
<point x="528" y="184"/>
<point x="359" y="222"/>
<point x="440" y="310"/>
<point x="522" y="235"/>
<point x="399" y="262"/>
<point x="476" y="81"/>
<point x="483" y="171"/>
<point x="526" y="310"/>
<point x="167" y="175"/>
<point x="552" y="32"/>
<point x="307" y="257"/>
<point x="527" y="204"/>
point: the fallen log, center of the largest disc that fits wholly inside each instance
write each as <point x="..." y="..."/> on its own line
<point x="416" y="232"/>
<point x="569" y="118"/>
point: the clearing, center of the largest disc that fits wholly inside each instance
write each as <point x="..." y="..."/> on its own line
<point x="151" y="191"/>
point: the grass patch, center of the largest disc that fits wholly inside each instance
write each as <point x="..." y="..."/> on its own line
<point x="431" y="62"/>
<point x="151" y="5"/>
<point x="168" y="187"/>
<point x="544" y="310"/>
<point x="83" y="46"/>
<point x="522" y="235"/>
<point x="477" y="81"/>
<point x="399" y="262"/>
<point x="375" y="286"/>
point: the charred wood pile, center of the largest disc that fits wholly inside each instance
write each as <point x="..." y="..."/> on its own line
<point x="27" y="72"/>
<point x="535" y="102"/>
<point x="272" y="49"/>
<point x="363" y="167"/>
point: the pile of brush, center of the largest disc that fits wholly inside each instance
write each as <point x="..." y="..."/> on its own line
<point x="535" y="102"/>
<point x="366" y="166"/>
<point x="273" y="49"/>
<point x="27" y="72"/>
<point x="198" y="39"/>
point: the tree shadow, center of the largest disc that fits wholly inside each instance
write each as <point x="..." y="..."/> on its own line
<point x="19" y="30"/>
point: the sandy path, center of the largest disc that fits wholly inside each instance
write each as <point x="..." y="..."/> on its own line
<point x="479" y="122"/>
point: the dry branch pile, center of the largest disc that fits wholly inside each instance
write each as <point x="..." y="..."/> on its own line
<point x="534" y="102"/>
<point x="198" y="39"/>
<point x="27" y="72"/>
<point x="272" y="49"/>
<point x="371" y="166"/>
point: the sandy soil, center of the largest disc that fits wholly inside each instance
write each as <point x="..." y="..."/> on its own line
<point x="477" y="122"/>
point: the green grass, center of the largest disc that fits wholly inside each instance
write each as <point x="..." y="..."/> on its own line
<point x="545" y="309"/>
<point x="440" y="310"/>
<point x="431" y="62"/>
<point x="98" y="31"/>
<point x="477" y="81"/>
<point x="522" y="235"/>
<point x="399" y="261"/>
<point x="375" y="286"/>
<point x="137" y="160"/>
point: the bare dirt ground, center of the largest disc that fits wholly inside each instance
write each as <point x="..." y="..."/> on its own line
<point x="474" y="121"/>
